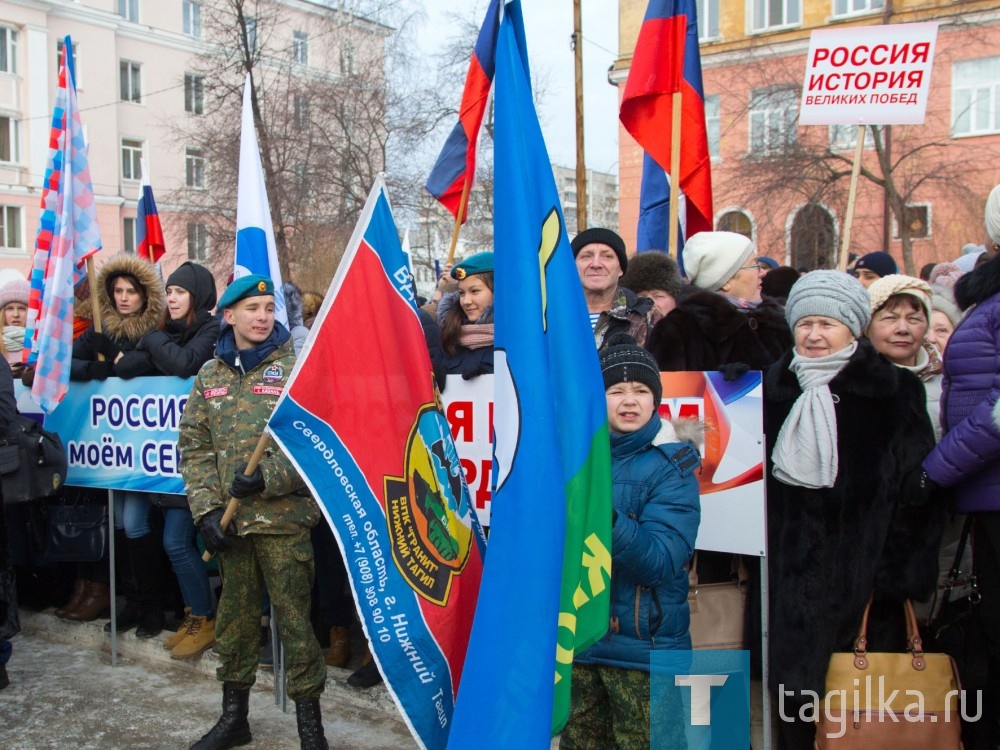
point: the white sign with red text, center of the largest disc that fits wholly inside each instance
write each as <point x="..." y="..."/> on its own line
<point x="731" y="477"/>
<point x="871" y="75"/>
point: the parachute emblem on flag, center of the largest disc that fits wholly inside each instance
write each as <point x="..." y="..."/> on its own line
<point x="431" y="542"/>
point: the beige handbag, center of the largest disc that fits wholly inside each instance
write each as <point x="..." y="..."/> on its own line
<point x="877" y="701"/>
<point x="717" y="609"/>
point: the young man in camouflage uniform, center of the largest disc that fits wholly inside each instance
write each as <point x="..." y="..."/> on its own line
<point x="268" y="542"/>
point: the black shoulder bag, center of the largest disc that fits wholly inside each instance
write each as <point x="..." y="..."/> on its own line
<point x="32" y="463"/>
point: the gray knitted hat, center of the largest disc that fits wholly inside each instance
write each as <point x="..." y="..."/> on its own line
<point x="830" y="293"/>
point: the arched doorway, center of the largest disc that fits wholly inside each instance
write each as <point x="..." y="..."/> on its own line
<point x="736" y="221"/>
<point x="813" y="238"/>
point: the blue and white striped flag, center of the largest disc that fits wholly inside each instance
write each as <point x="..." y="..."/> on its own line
<point x="256" y="251"/>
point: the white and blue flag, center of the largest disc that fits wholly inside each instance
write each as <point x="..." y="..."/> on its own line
<point x="256" y="251"/>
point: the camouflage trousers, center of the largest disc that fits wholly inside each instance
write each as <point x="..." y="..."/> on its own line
<point x="609" y="710"/>
<point x="284" y="562"/>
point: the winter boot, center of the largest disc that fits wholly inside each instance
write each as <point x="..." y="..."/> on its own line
<point x="367" y="675"/>
<point x="128" y="616"/>
<point x="232" y="729"/>
<point x="4" y="679"/>
<point x="310" y="723"/>
<point x="177" y="637"/>
<point x="147" y="565"/>
<point x="200" y="635"/>
<point x="96" y="601"/>
<point x="74" y="600"/>
<point x="340" y="647"/>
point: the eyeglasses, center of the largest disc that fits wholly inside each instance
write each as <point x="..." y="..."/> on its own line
<point x="754" y="267"/>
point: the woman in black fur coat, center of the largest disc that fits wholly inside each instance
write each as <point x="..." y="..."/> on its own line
<point x="722" y="320"/>
<point x="848" y="514"/>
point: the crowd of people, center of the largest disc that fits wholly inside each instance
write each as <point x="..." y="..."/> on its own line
<point x="882" y="428"/>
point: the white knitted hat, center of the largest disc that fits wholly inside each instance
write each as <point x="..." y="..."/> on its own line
<point x="713" y="258"/>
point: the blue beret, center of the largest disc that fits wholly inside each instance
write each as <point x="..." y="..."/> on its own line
<point x="478" y="263"/>
<point x="255" y="285"/>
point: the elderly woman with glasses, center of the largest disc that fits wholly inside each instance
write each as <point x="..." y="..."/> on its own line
<point x="721" y="322"/>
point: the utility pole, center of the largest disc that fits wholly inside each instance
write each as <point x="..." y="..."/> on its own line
<point x="581" y="163"/>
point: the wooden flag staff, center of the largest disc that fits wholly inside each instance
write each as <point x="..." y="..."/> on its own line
<point x="845" y="244"/>
<point x="675" y="172"/>
<point x="463" y="206"/>
<point x="234" y="503"/>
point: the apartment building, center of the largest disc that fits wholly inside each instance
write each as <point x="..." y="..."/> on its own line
<point x="786" y="185"/>
<point x="140" y="83"/>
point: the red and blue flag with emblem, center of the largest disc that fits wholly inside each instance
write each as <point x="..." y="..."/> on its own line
<point x="667" y="60"/>
<point x="361" y="420"/>
<point x="456" y="164"/>
<point x="68" y="234"/>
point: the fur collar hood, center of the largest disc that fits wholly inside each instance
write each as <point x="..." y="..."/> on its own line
<point x="867" y="374"/>
<point x="719" y="319"/>
<point x="130" y="327"/>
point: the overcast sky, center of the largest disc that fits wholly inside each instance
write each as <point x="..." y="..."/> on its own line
<point x="549" y="28"/>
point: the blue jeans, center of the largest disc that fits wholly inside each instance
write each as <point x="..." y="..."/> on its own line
<point x="6" y="649"/>
<point x="132" y="513"/>
<point x="178" y="541"/>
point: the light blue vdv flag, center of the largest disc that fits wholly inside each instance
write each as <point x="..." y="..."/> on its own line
<point x="552" y="453"/>
<point x="256" y="251"/>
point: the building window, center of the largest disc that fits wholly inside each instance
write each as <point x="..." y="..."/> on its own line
<point x="10" y="228"/>
<point x="773" y="14"/>
<point x="713" y="125"/>
<point x="855" y="7"/>
<point x="918" y="220"/>
<point x="300" y="47"/>
<point x="736" y="221"/>
<point x="975" y="86"/>
<point x="192" y="18"/>
<point x="845" y="137"/>
<point x="194" y="168"/>
<point x="131" y="159"/>
<point x="708" y="18"/>
<point x="197" y="241"/>
<point x="129" y="10"/>
<point x="10" y="130"/>
<point x="129" y="78"/>
<point x="194" y="94"/>
<point x="76" y="51"/>
<point x="128" y="234"/>
<point x="251" y="27"/>
<point x="8" y="50"/>
<point x="301" y="113"/>
<point x="773" y="120"/>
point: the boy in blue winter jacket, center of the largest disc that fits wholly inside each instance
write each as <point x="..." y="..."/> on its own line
<point x="655" y="516"/>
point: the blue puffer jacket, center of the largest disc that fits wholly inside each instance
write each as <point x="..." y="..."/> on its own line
<point x="968" y="456"/>
<point x="655" y="492"/>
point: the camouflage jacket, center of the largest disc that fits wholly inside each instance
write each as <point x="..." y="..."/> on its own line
<point x="223" y="420"/>
<point x="628" y="314"/>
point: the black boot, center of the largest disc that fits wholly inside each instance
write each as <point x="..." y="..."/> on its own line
<point x="310" y="724"/>
<point x="147" y="563"/>
<point x="232" y="729"/>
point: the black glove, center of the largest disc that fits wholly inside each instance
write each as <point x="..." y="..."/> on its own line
<point x="243" y="485"/>
<point x="734" y="370"/>
<point x="212" y="533"/>
<point x="105" y="345"/>
<point x="100" y="370"/>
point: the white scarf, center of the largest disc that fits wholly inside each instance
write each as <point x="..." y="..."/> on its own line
<point x="13" y="338"/>
<point x="805" y="454"/>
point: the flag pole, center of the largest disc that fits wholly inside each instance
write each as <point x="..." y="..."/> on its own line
<point x="463" y="205"/>
<point x="234" y="502"/>
<point x="94" y="304"/>
<point x="675" y="172"/>
<point x="845" y="243"/>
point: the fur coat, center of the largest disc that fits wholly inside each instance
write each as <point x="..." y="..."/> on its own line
<point x="706" y="331"/>
<point x="876" y="531"/>
<point x="125" y="330"/>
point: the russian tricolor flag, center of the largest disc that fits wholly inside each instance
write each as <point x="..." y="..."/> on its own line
<point x="456" y="163"/>
<point x="666" y="60"/>
<point x="256" y="251"/>
<point x="149" y="242"/>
